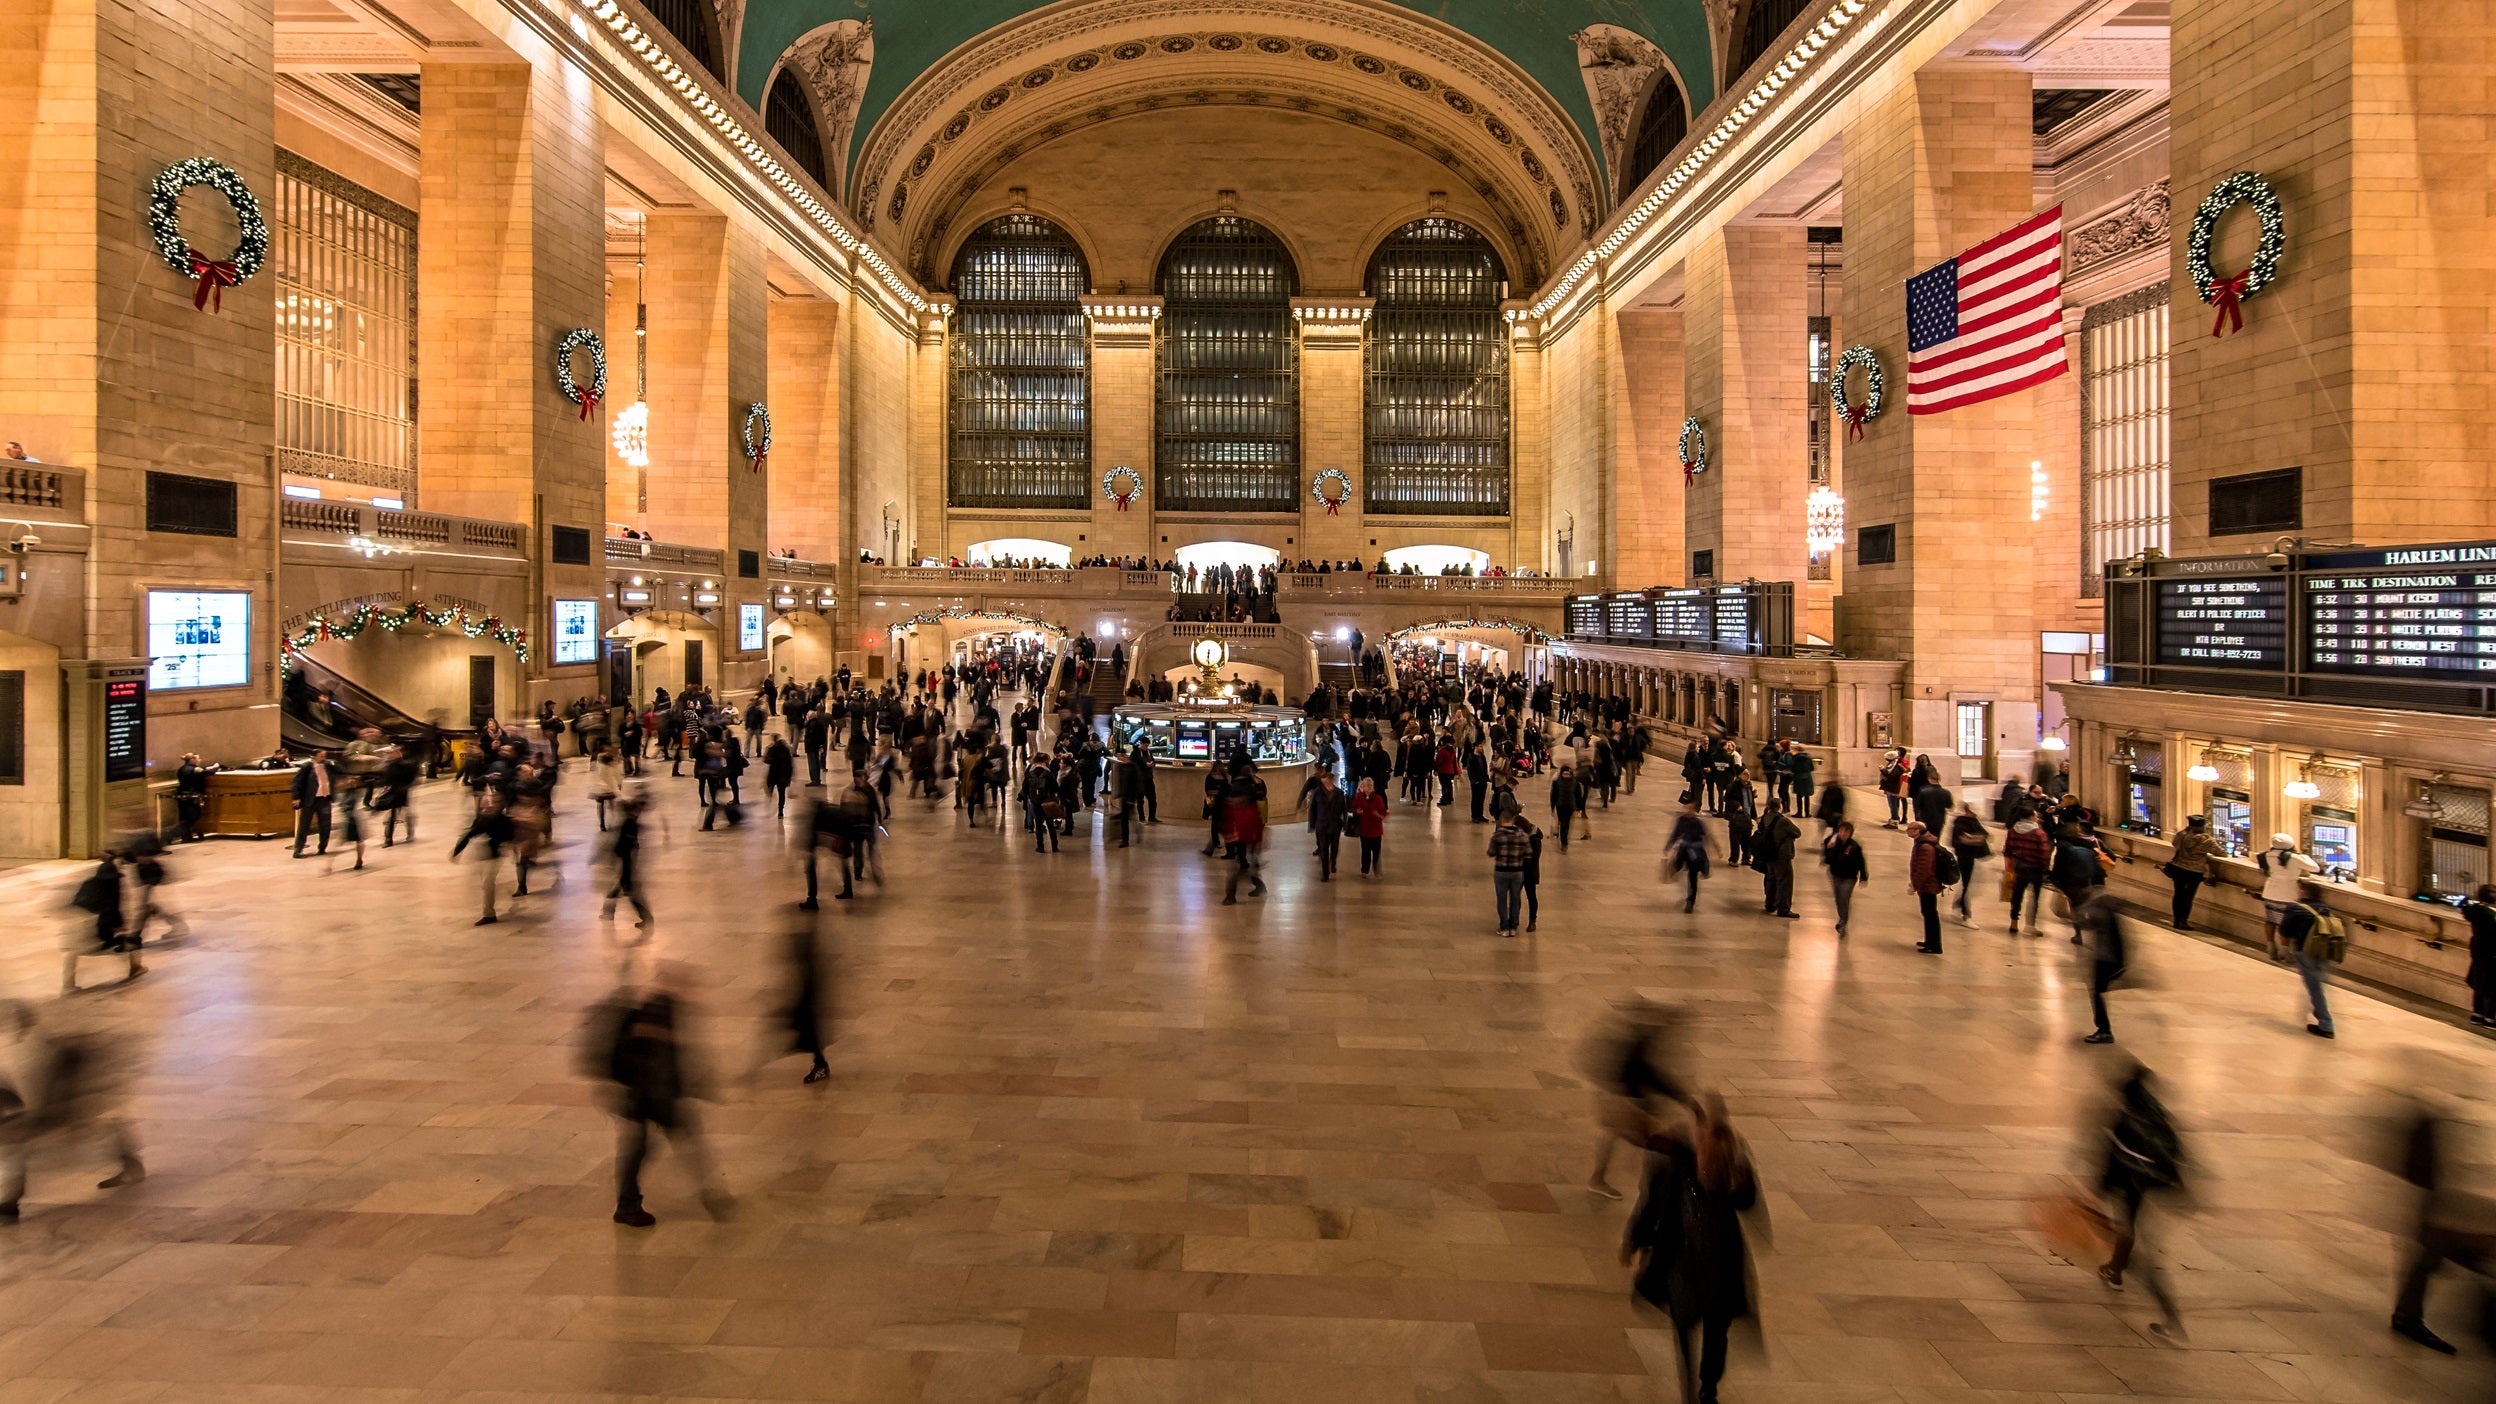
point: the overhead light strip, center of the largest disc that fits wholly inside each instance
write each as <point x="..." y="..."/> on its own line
<point x="696" y="95"/>
<point x="1626" y="226"/>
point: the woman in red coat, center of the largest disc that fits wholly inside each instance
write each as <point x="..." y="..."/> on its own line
<point x="1369" y="820"/>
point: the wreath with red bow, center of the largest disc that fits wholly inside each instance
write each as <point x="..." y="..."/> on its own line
<point x="2229" y="293"/>
<point x="164" y="223"/>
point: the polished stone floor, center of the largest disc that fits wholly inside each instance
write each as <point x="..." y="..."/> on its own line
<point x="1094" y="1136"/>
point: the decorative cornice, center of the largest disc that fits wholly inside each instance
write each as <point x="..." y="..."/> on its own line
<point x="1618" y="67"/>
<point x="2141" y="222"/>
<point x="833" y="62"/>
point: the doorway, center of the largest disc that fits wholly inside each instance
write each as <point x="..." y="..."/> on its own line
<point x="1974" y="735"/>
<point x="480" y="688"/>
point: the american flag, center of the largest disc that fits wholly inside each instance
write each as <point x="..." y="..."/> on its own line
<point x="1988" y="322"/>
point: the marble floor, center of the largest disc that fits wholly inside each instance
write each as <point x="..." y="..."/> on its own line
<point x="1093" y="1136"/>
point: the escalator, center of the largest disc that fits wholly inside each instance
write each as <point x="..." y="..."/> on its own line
<point x="323" y="709"/>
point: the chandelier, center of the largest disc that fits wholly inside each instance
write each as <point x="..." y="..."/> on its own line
<point x="632" y="423"/>
<point x="1824" y="521"/>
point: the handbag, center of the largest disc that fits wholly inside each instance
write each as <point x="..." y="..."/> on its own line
<point x="1053" y="811"/>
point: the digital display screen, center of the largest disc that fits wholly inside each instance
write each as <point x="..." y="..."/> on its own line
<point x="198" y="638"/>
<point x="750" y="628"/>
<point x="1733" y="616"/>
<point x="576" y="631"/>
<point x="1683" y="614"/>
<point x="2223" y="623"/>
<point x="1585" y="614"/>
<point x="1195" y="741"/>
<point x="2415" y="622"/>
<point x="1629" y="617"/>
<point x="125" y="729"/>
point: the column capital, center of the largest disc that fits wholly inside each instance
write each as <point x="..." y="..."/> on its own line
<point x="1332" y="319"/>
<point x="1122" y="320"/>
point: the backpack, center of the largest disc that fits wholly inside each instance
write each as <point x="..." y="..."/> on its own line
<point x="94" y="895"/>
<point x="1945" y="866"/>
<point x="2329" y="940"/>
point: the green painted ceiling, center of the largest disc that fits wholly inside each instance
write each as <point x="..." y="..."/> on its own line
<point x="911" y="35"/>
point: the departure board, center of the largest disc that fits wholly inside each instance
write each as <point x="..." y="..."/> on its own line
<point x="2223" y="623"/>
<point x="2409" y="623"/>
<point x="1585" y="615"/>
<point x="1628" y="616"/>
<point x="1683" y="614"/>
<point x="1734" y="627"/>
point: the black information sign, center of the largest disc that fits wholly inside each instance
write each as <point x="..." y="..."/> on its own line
<point x="2223" y="623"/>
<point x="1683" y="614"/>
<point x="1753" y="617"/>
<point x="1628" y="617"/>
<point x="2407" y="623"/>
<point x="1736" y="627"/>
<point x="125" y="729"/>
<point x="1585" y="615"/>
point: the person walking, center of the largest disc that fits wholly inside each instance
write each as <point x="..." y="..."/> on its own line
<point x="606" y="782"/>
<point x="638" y="1045"/>
<point x="1685" y="1241"/>
<point x="1773" y="847"/>
<point x="2319" y="940"/>
<point x="1328" y="808"/>
<point x="779" y="769"/>
<point x="1970" y="844"/>
<point x="66" y="1091"/>
<point x="100" y="896"/>
<point x="1626" y="1060"/>
<point x="2189" y="867"/>
<point x="2144" y="1157"/>
<point x="1926" y="879"/>
<point x="1369" y="824"/>
<point x="1042" y="806"/>
<point x="2028" y="855"/>
<point x="2480" y="912"/>
<point x="2104" y="942"/>
<point x="1686" y="851"/>
<point x="1842" y="855"/>
<point x="624" y="854"/>
<point x="2284" y="871"/>
<point x="1243" y="828"/>
<point x="1507" y="854"/>
<point x="810" y="998"/>
<point x="493" y="826"/>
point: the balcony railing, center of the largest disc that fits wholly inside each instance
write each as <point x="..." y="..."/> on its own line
<point x="635" y="551"/>
<point x="43" y="488"/>
<point x="398" y="529"/>
<point x="792" y="568"/>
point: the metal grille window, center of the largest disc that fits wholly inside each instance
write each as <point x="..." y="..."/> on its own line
<point x="1761" y="27"/>
<point x="690" y="22"/>
<point x="789" y="119"/>
<point x="2455" y="851"/>
<point x="1228" y="400"/>
<point x="1661" y="127"/>
<point x="1021" y="355"/>
<point x="1817" y="411"/>
<point x="1437" y="411"/>
<point x="345" y="260"/>
<point x="2125" y="497"/>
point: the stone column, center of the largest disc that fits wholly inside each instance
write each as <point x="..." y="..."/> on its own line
<point x="1647" y="511"/>
<point x="804" y="482"/>
<point x="108" y="370"/>
<point x="1331" y="425"/>
<point x="511" y="259"/>
<point x="1934" y="167"/>
<point x="1530" y="543"/>
<point x="2366" y="363"/>
<point x="1746" y="375"/>
<point x="1122" y="422"/>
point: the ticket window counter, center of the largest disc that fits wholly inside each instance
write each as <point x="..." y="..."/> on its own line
<point x="2231" y="821"/>
<point x="2331" y="840"/>
<point x="2140" y="779"/>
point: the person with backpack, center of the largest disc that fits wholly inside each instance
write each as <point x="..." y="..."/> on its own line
<point x="2284" y="870"/>
<point x="1931" y="868"/>
<point x="2144" y="1157"/>
<point x="2312" y="930"/>
<point x="1970" y="844"/>
<point x="635" y="1042"/>
<point x="99" y="896"/>
<point x="1685" y="852"/>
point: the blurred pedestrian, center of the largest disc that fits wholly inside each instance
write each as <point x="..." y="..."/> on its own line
<point x="1842" y="855"/>
<point x="66" y="1088"/>
<point x="2447" y="1223"/>
<point x="101" y="897"/>
<point x="1686" y="1245"/>
<point x="2480" y="912"/>
<point x="2144" y="1157"/>
<point x="1628" y="1059"/>
<point x="624" y="853"/>
<point x="2101" y="933"/>
<point x="637" y="1042"/>
<point x="1686" y="852"/>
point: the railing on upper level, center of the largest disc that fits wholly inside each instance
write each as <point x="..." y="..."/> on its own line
<point x="793" y="568"/>
<point x="623" y="550"/>
<point x="1476" y="584"/>
<point x="44" y="488"/>
<point x="1087" y="580"/>
<point x="396" y="528"/>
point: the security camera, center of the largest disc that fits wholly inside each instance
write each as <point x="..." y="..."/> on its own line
<point x="20" y="545"/>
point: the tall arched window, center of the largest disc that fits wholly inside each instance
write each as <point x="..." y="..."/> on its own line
<point x="1436" y="440"/>
<point x="1661" y="127"/>
<point x="690" y="22"/>
<point x="1020" y="409"/>
<point x="1228" y="400"/>
<point x="789" y="119"/>
<point x="1761" y="27"/>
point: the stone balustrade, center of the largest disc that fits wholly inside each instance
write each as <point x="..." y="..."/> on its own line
<point x="43" y="488"/>
<point x="622" y="550"/>
<point x="394" y="528"/>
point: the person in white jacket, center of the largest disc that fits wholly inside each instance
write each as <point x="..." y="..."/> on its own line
<point x="2283" y="868"/>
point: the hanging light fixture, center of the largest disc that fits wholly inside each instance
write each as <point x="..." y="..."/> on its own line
<point x="2303" y="787"/>
<point x="1824" y="520"/>
<point x="2202" y="771"/>
<point x="632" y="423"/>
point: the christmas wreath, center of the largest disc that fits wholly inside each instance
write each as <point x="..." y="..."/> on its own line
<point x="580" y="339"/>
<point x="164" y="222"/>
<point x="757" y="449"/>
<point x="1693" y="449"/>
<point x="366" y="616"/>
<point x="1124" y="496"/>
<point x="2228" y="293"/>
<point x="1856" y="416"/>
<point x="1317" y="489"/>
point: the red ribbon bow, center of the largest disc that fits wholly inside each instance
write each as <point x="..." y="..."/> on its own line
<point x="1333" y="505"/>
<point x="1855" y="416"/>
<point x="215" y="276"/>
<point x="2229" y="295"/>
<point x="1689" y="471"/>
<point x="589" y="401"/>
<point x="759" y="456"/>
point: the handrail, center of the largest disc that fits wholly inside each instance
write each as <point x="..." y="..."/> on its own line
<point x="623" y="549"/>
<point x="397" y="527"/>
<point x="798" y="569"/>
<point x="43" y="486"/>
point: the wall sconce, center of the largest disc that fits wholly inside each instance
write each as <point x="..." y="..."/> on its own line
<point x="2303" y="787"/>
<point x="2039" y="491"/>
<point x="2202" y="771"/>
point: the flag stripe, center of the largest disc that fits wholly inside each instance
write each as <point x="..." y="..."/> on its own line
<point x="2025" y="227"/>
<point x="2020" y="352"/>
<point x="1990" y="320"/>
<point x="2048" y="370"/>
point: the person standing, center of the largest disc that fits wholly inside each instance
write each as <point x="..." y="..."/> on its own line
<point x="1328" y="808"/>
<point x="1507" y="853"/>
<point x="1685" y="1241"/>
<point x="312" y="788"/>
<point x="1477" y="778"/>
<point x="1773" y="846"/>
<point x="2189" y="868"/>
<point x="655" y="1080"/>
<point x="1970" y="844"/>
<point x="190" y="795"/>
<point x="1842" y="855"/>
<point x="2102" y="931"/>
<point x="1533" y="868"/>
<point x="1685" y="852"/>
<point x="1369" y="824"/>
<point x="1894" y="778"/>
<point x="1924" y="878"/>
<point x="2480" y="912"/>
<point x="2319" y="940"/>
<point x="2284" y="870"/>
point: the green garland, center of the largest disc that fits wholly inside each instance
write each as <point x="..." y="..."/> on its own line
<point x="164" y="225"/>
<point x="2229" y="293"/>
<point x="366" y="616"/>
<point x="1533" y="633"/>
<point x="1875" y="387"/>
<point x="934" y="616"/>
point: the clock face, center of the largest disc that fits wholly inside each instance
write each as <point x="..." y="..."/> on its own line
<point x="1209" y="653"/>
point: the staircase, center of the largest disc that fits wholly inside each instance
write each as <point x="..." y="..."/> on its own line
<point x="1339" y="675"/>
<point x="1109" y="686"/>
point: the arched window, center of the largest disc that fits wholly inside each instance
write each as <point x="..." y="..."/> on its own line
<point x="789" y="119"/>
<point x="690" y="22"/>
<point x="1661" y="127"/>
<point x="1021" y="355"/>
<point x="1436" y="440"/>
<point x="1228" y="398"/>
<point x="1761" y="27"/>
